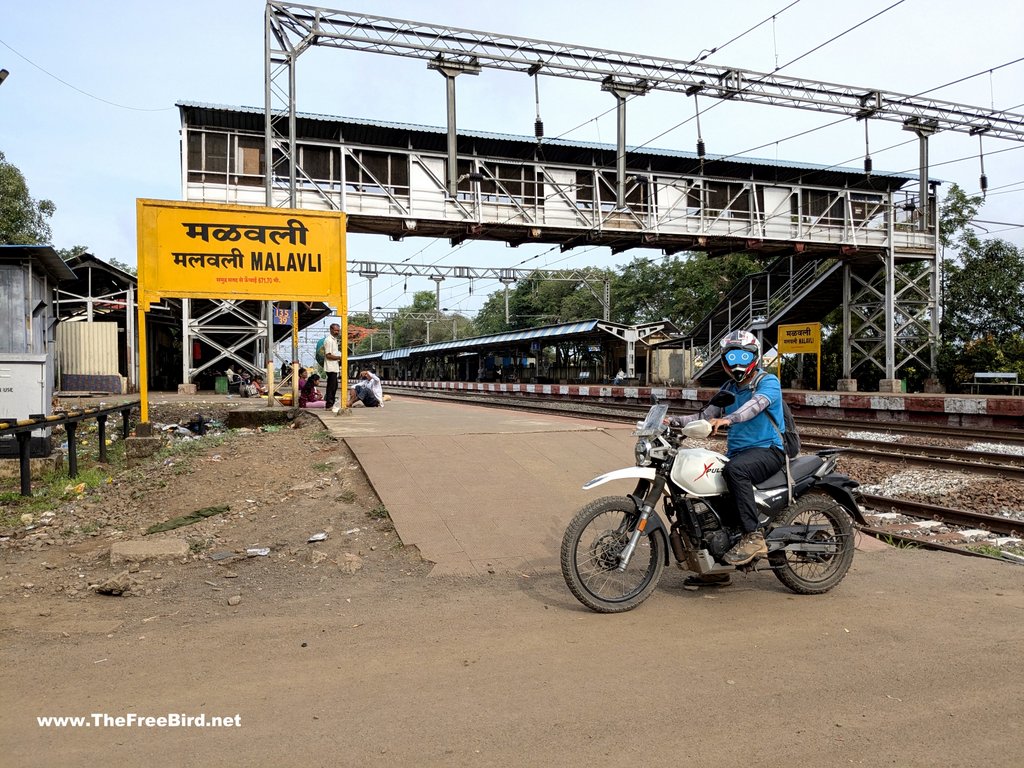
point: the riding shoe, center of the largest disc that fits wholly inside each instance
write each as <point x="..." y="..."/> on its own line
<point x="750" y="546"/>
<point x="707" y="580"/>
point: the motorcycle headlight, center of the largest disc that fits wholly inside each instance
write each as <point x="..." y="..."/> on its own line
<point x="642" y="452"/>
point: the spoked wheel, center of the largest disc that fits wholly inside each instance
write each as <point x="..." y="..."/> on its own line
<point x="811" y="573"/>
<point x="591" y="550"/>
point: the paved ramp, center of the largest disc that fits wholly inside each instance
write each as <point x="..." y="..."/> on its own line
<point x="479" y="489"/>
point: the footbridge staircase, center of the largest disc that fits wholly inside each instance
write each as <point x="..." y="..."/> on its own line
<point x="790" y="290"/>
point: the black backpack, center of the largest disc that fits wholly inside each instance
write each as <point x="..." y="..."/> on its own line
<point x="790" y="437"/>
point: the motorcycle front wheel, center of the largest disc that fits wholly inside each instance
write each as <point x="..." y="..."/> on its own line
<point x="812" y="573"/>
<point x="591" y="548"/>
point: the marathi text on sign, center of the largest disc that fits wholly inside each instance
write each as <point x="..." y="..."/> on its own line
<point x="190" y="250"/>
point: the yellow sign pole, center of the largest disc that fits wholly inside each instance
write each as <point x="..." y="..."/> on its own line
<point x="295" y="354"/>
<point x="143" y="366"/>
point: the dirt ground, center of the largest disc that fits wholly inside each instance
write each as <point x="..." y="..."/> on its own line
<point x="346" y="651"/>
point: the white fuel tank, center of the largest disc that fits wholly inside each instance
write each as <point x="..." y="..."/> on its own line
<point x="699" y="472"/>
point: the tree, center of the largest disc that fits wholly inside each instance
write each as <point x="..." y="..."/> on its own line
<point x="23" y="221"/>
<point x="683" y="289"/>
<point x="124" y="267"/>
<point x="982" y="297"/>
<point x="66" y="254"/>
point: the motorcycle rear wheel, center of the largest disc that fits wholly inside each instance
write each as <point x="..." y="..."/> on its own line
<point x="811" y="573"/>
<point x="591" y="547"/>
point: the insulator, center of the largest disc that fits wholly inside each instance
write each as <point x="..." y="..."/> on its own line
<point x="983" y="183"/>
<point x="538" y="128"/>
<point x="700" y="148"/>
<point x="868" y="165"/>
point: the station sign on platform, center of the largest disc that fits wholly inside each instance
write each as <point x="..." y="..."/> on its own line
<point x="214" y="251"/>
<point x="208" y="251"/>
<point x="804" y="338"/>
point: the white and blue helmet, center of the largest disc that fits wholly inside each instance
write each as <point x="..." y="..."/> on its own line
<point x="741" y="354"/>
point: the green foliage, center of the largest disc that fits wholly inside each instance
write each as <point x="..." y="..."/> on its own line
<point x="123" y="266"/>
<point x="984" y="292"/>
<point x="982" y="297"/>
<point x="956" y="211"/>
<point x="681" y="288"/>
<point x="23" y="220"/>
<point x="72" y="252"/>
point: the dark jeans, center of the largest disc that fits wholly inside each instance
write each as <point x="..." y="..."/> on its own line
<point x="366" y="396"/>
<point x="741" y="473"/>
<point x="332" y="390"/>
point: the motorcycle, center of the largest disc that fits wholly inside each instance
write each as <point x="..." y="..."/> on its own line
<point x="615" y="548"/>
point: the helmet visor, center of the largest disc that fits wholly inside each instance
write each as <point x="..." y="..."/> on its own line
<point x="739" y="358"/>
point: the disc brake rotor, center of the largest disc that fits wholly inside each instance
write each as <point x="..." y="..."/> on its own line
<point x="607" y="548"/>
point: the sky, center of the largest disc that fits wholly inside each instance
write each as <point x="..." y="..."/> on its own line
<point x="98" y="128"/>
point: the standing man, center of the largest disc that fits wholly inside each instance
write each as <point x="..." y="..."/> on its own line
<point x="332" y="367"/>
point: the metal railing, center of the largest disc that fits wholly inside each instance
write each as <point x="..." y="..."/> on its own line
<point x="761" y="312"/>
<point x="22" y="429"/>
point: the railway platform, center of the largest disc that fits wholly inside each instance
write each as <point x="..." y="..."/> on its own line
<point x="480" y="489"/>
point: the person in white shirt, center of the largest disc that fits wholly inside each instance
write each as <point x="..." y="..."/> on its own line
<point x="367" y="391"/>
<point x="332" y="367"/>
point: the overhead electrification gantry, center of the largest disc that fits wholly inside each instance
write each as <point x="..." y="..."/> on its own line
<point x="623" y="204"/>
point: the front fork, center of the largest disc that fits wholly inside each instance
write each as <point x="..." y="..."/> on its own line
<point x="645" y="507"/>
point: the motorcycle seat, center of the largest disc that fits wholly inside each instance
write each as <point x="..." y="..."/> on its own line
<point x="800" y="467"/>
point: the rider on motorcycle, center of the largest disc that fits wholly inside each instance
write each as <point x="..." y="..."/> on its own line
<point x="754" y="446"/>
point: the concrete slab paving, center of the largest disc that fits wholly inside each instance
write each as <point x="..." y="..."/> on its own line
<point x="481" y="489"/>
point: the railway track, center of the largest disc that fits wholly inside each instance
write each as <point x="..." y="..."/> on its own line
<point x="922" y="456"/>
<point x="978" y="462"/>
<point x="627" y="411"/>
<point x="995" y="435"/>
<point x="958" y="517"/>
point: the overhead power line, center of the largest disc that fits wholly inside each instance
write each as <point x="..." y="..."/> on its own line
<point x="76" y="88"/>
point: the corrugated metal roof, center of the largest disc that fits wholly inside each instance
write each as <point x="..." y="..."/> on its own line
<point x="42" y="254"/>
<point x="589" y="145"/>
<point x="544" y="332"/>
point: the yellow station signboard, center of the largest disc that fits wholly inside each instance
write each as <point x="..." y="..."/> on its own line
<point x="800" y="338"/>
<point x="206" y="251"/>
<point x="210" y="251"/>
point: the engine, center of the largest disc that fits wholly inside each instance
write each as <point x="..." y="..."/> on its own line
<point x="713" y="535"/>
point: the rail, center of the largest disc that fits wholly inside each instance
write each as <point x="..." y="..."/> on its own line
<point x="22" y="429"/>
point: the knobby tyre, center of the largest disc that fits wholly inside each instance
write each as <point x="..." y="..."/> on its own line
<point x="590" y="555"/>
<point x="812" y="573"/>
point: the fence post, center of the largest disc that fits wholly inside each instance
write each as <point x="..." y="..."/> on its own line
<point x="102" y="423"/>
<point x="71" y="427"/>
<point x="24" y="464"/>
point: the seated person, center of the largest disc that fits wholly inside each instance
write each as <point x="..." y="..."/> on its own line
<point x="309" y="395"/>
<point x="260" y="387"/>
<point x="367" y="391"/>
<point x="303" y="376"/>
<point x="234" y="380"/>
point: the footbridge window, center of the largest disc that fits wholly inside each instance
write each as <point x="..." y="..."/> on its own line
<point x="320" y="165"/>
<point x="727" y="200"/>
<point x="596" y="190"/>
<point x="377" y="173"/>
<point x="510" y="184"/>
<point x="223" y="158"/>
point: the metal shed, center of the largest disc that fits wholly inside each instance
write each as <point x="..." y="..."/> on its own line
<point x="28" y="280"/>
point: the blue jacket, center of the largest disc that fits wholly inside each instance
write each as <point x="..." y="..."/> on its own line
<point x="758" y="432"/>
